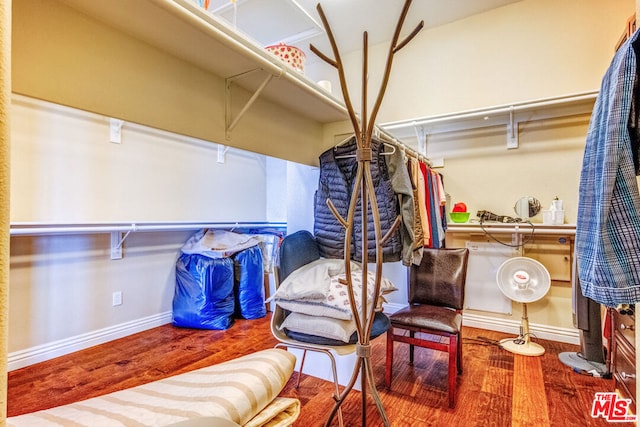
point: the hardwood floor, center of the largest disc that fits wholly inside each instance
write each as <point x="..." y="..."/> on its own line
<point x="497" y="388"/>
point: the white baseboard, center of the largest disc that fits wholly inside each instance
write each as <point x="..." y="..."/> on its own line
<point x="546" y="332"/>
<point x="30" y="356"/>
<point x="551" y="333"/>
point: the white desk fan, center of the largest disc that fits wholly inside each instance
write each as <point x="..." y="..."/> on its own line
<point x="523" y="280"/>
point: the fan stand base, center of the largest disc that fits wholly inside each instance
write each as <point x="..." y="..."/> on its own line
<point x="581" y="365"/>
<point x="523" y="347"/>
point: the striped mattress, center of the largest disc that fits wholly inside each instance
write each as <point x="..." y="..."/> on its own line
<point x="243" y="390"/>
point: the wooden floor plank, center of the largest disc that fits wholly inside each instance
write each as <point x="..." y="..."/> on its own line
<point x="494" y="385"/>
<point x="529" y="407"/>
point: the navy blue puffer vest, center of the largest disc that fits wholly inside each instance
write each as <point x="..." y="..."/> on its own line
<point x="336" y="182"/>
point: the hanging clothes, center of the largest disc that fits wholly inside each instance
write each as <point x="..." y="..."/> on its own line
<point x="418" y="243"/>
<point x="335" y="183"/>
<point x="428" y="179"/>
<point x="439" y="200"/>
<point x="608" y="221"/>
<point x="433" y="207"/>
<point x="338" y="167"/>
<point x="423" y="188"/>
<point x="401" y="184"/>
<point x="430" y="205"/>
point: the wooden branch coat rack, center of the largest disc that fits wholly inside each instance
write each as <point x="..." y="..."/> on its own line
<point x="364" y="189"/>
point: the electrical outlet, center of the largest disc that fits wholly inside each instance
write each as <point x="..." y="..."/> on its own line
<point x="116" y="298"/>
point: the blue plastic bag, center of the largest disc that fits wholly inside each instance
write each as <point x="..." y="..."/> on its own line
<point x="249" y="290"/>
<point x="204" y="292"/>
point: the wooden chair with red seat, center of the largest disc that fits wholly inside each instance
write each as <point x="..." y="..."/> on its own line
<point x="436" y="299"/>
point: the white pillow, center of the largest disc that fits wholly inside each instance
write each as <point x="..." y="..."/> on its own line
<point x="320" y="326"/>
<point x="315" y="308"/>
<point x="310" y="281"/>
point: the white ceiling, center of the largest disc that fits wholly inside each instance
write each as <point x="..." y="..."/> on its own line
<point x="297" y="22"/>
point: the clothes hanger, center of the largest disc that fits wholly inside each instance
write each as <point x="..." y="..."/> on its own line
<point x="349" y="156"/>
<point x="344" y="141"/>
<point x="388" y="153"/>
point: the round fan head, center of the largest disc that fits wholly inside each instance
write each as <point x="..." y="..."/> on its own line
<point x="523" y="279"/>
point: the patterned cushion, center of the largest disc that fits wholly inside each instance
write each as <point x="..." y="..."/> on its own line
<point x="237" y="390"/>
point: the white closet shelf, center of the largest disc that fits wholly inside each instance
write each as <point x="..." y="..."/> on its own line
<point x="503" y="115"/>
<point x="511" y="228"/>
<point x="121" y="230"/>
<point x="41" y="228"/>
<point x="183" y="29"/>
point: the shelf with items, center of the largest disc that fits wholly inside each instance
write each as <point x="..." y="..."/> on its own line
<point x="508" y="115"/>
<point x="511" y="228"/>
<point x="552" y="245"/>
<point x="187" y="31"/>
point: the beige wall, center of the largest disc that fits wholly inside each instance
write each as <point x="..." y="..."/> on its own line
<point x="151" y="175"/>
<point x="62" y="56"/>
<point x="527" y="50"/>
<point x="480" y="171"/>
<point x="65" y="171"/>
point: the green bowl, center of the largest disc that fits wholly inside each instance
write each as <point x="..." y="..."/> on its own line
<point x="459" y="216"/>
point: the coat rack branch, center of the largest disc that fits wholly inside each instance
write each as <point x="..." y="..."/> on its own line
<point x="363" y="194"/>
<point x="393" y="228"/>
<point x="393" y="48"/>
<point x="336" y="214"/>
<point x="337" y="63"/>
<point x="322" y="56"/>
<point x="410" y="37"/>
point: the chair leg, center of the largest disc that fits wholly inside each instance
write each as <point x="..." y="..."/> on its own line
<point x="453" y="362"/>
<point x="334" y="370"/>
<point x="304" y="355"/>
<point x="335" y="382"/>
<point x="389" y="358"/>
<point x="412" y="335"/>
<point x="459" y="353"/>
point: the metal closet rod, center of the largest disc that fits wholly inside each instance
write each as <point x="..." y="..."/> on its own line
<point x="502" y="109"/>
<point x="34" y="229"/>
<point x="390" y="138"/>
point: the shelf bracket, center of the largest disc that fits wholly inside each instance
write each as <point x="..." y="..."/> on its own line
<point x="222" y="151"/>
<point x="117" y="239"/>
<point x="512" y="131"/>
<point x="230" y="121"/>
<point x="115" y="130"/>
<point x="421" y="135"/>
